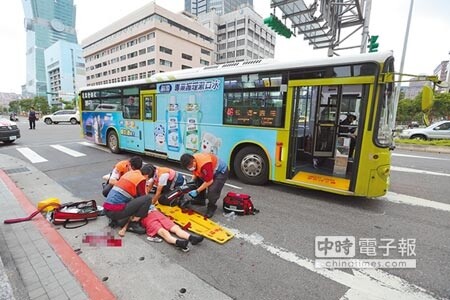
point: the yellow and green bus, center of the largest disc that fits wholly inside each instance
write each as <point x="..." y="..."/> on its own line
<point x="324" y="124"/>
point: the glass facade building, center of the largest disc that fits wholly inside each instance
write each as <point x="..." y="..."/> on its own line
<point x="46" y="22"/>
<point x="198" y="7"/>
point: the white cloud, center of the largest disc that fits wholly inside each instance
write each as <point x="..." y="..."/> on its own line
<point x="428" y="40"/>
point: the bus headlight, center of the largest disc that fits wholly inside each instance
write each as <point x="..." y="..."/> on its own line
<point x="383" y="171"/>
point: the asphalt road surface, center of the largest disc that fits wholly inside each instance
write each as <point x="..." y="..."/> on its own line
<point x="273" y="253"/>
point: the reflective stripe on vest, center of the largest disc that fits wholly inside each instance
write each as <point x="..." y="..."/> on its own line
<point x="129" y="182"/>
<point x="203" y="158"/>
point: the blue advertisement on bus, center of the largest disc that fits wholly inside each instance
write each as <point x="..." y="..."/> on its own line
<point x="184" y="109"/>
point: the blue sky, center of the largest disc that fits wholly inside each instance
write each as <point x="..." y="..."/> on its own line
<point x="428" y="42"/>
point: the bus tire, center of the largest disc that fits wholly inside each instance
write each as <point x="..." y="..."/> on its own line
<point x="113" y="142"/>
<point x="251" y="165"/>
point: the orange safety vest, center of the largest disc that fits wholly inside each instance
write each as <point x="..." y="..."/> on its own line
<point x="122" y="166"/>
<point x="163" y="170"/>
<point x="130" y="181"/>
<point x="202" y="159"/>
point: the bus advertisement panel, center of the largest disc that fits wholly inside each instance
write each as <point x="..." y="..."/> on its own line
<point x="181" y="109"/>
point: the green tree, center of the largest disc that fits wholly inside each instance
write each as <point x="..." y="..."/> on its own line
<point x="441" y="106"/>
<point x="41" y="104"/>
<point x="409" y="110"/>
<point x="14" y="106"/>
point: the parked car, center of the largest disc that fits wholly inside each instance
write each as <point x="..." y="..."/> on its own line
<point x="9" y="132"/>
<point x="438" y="130"/>
<point x="72" y="116"/>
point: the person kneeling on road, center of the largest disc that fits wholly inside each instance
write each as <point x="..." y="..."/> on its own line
<point x="165" y="180"/>
<point x="158" y="225"/>
<point x="123" y="166"/>
<point x="128" y="202"/>
<point x="210" y="174"/>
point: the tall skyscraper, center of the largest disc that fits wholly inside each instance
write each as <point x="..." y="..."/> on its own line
<point x="198" y="7"/>
<point x="46" y="22"/>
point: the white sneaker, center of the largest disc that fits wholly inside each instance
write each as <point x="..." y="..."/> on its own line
<point x="155" y="239"/>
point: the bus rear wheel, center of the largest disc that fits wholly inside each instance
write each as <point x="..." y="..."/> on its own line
<point x="113" y="142"/>
<point x="251" y="165"/>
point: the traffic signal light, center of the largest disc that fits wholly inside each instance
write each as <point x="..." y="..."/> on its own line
<point x="373" y="45"/>
<point x="278" y="26"/>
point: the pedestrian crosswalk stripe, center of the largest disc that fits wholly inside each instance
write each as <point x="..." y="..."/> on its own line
<point x="96" y="146"/>
<point x="31" y="155"/>
<point x="68" y="151"/>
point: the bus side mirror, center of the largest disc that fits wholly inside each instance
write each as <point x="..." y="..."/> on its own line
<point x="427" y="99"/>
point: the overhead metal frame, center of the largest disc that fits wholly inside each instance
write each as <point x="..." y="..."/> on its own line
<point x="321" y="22"/>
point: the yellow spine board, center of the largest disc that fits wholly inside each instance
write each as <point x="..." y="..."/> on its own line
<point x="195" y="222"/>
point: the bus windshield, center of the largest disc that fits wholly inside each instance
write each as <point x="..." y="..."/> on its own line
<point x="387" y="112"/>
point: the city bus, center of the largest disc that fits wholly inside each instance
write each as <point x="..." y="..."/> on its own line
<point x="285" y="122"/>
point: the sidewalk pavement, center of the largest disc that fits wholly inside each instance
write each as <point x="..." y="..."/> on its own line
<point x="36" y="262"/>
<point x="42" y="261"/>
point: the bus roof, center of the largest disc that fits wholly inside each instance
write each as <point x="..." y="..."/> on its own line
<point x="249" y="66"/>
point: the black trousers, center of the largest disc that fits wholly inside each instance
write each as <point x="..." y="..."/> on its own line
<point x="32" y="124"/>
<point x="214" y="190"/>
<point x="137" y="207"/>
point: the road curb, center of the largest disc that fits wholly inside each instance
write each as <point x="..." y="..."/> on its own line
<point x="423" y="148"/>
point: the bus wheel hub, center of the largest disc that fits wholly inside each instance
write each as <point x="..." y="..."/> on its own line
<point x="251" y="165"/>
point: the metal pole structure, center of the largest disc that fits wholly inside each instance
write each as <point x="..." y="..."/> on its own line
<point x="405" y="43"/>
<point x="365" y="33"/>
<point x="402" y="63"/>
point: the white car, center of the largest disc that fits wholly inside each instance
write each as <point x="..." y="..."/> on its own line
<point x="438" y="130"/>
<point x="72" y="116"/>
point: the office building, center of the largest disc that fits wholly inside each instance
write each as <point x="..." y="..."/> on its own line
<point x="240" y="35"/>
<point x="414" y="88"/>
<point x="46" y="22"/>
<point x="147" y="41"/>
<point x="198" y="7"/>
<point x="443" y="74"/>
<point x="65" y="69"/>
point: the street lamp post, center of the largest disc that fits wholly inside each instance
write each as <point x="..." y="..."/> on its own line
<point x="402" y="63"/>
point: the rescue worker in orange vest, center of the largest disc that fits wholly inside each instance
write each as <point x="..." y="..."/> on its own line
<point x="165" y="180"/>
<point x="123" y="166"/>
<point x="128" y="199"/>
<point x="210" y="173"/>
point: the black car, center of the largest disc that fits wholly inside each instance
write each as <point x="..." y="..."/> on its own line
<point x="9" y="132"/>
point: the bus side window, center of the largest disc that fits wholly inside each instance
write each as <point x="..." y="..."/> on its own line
<point x="131" y="109"/>
<point x="148" y="103"/>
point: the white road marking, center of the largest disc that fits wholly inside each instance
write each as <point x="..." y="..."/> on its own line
<point x="32" y="156"/>
<point x="405" y="199"/>
<point x="68" y="151"/>
<point x="417" y="156"/>
<point x="363" y="284"/>
<point x="99" y="147"/>
<point x="409" y="170"/>
<point x="88" y="144"/>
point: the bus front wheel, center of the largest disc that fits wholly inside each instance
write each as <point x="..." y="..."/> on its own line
<point x="113" y="142"/>
<point x="251" y="165"/>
